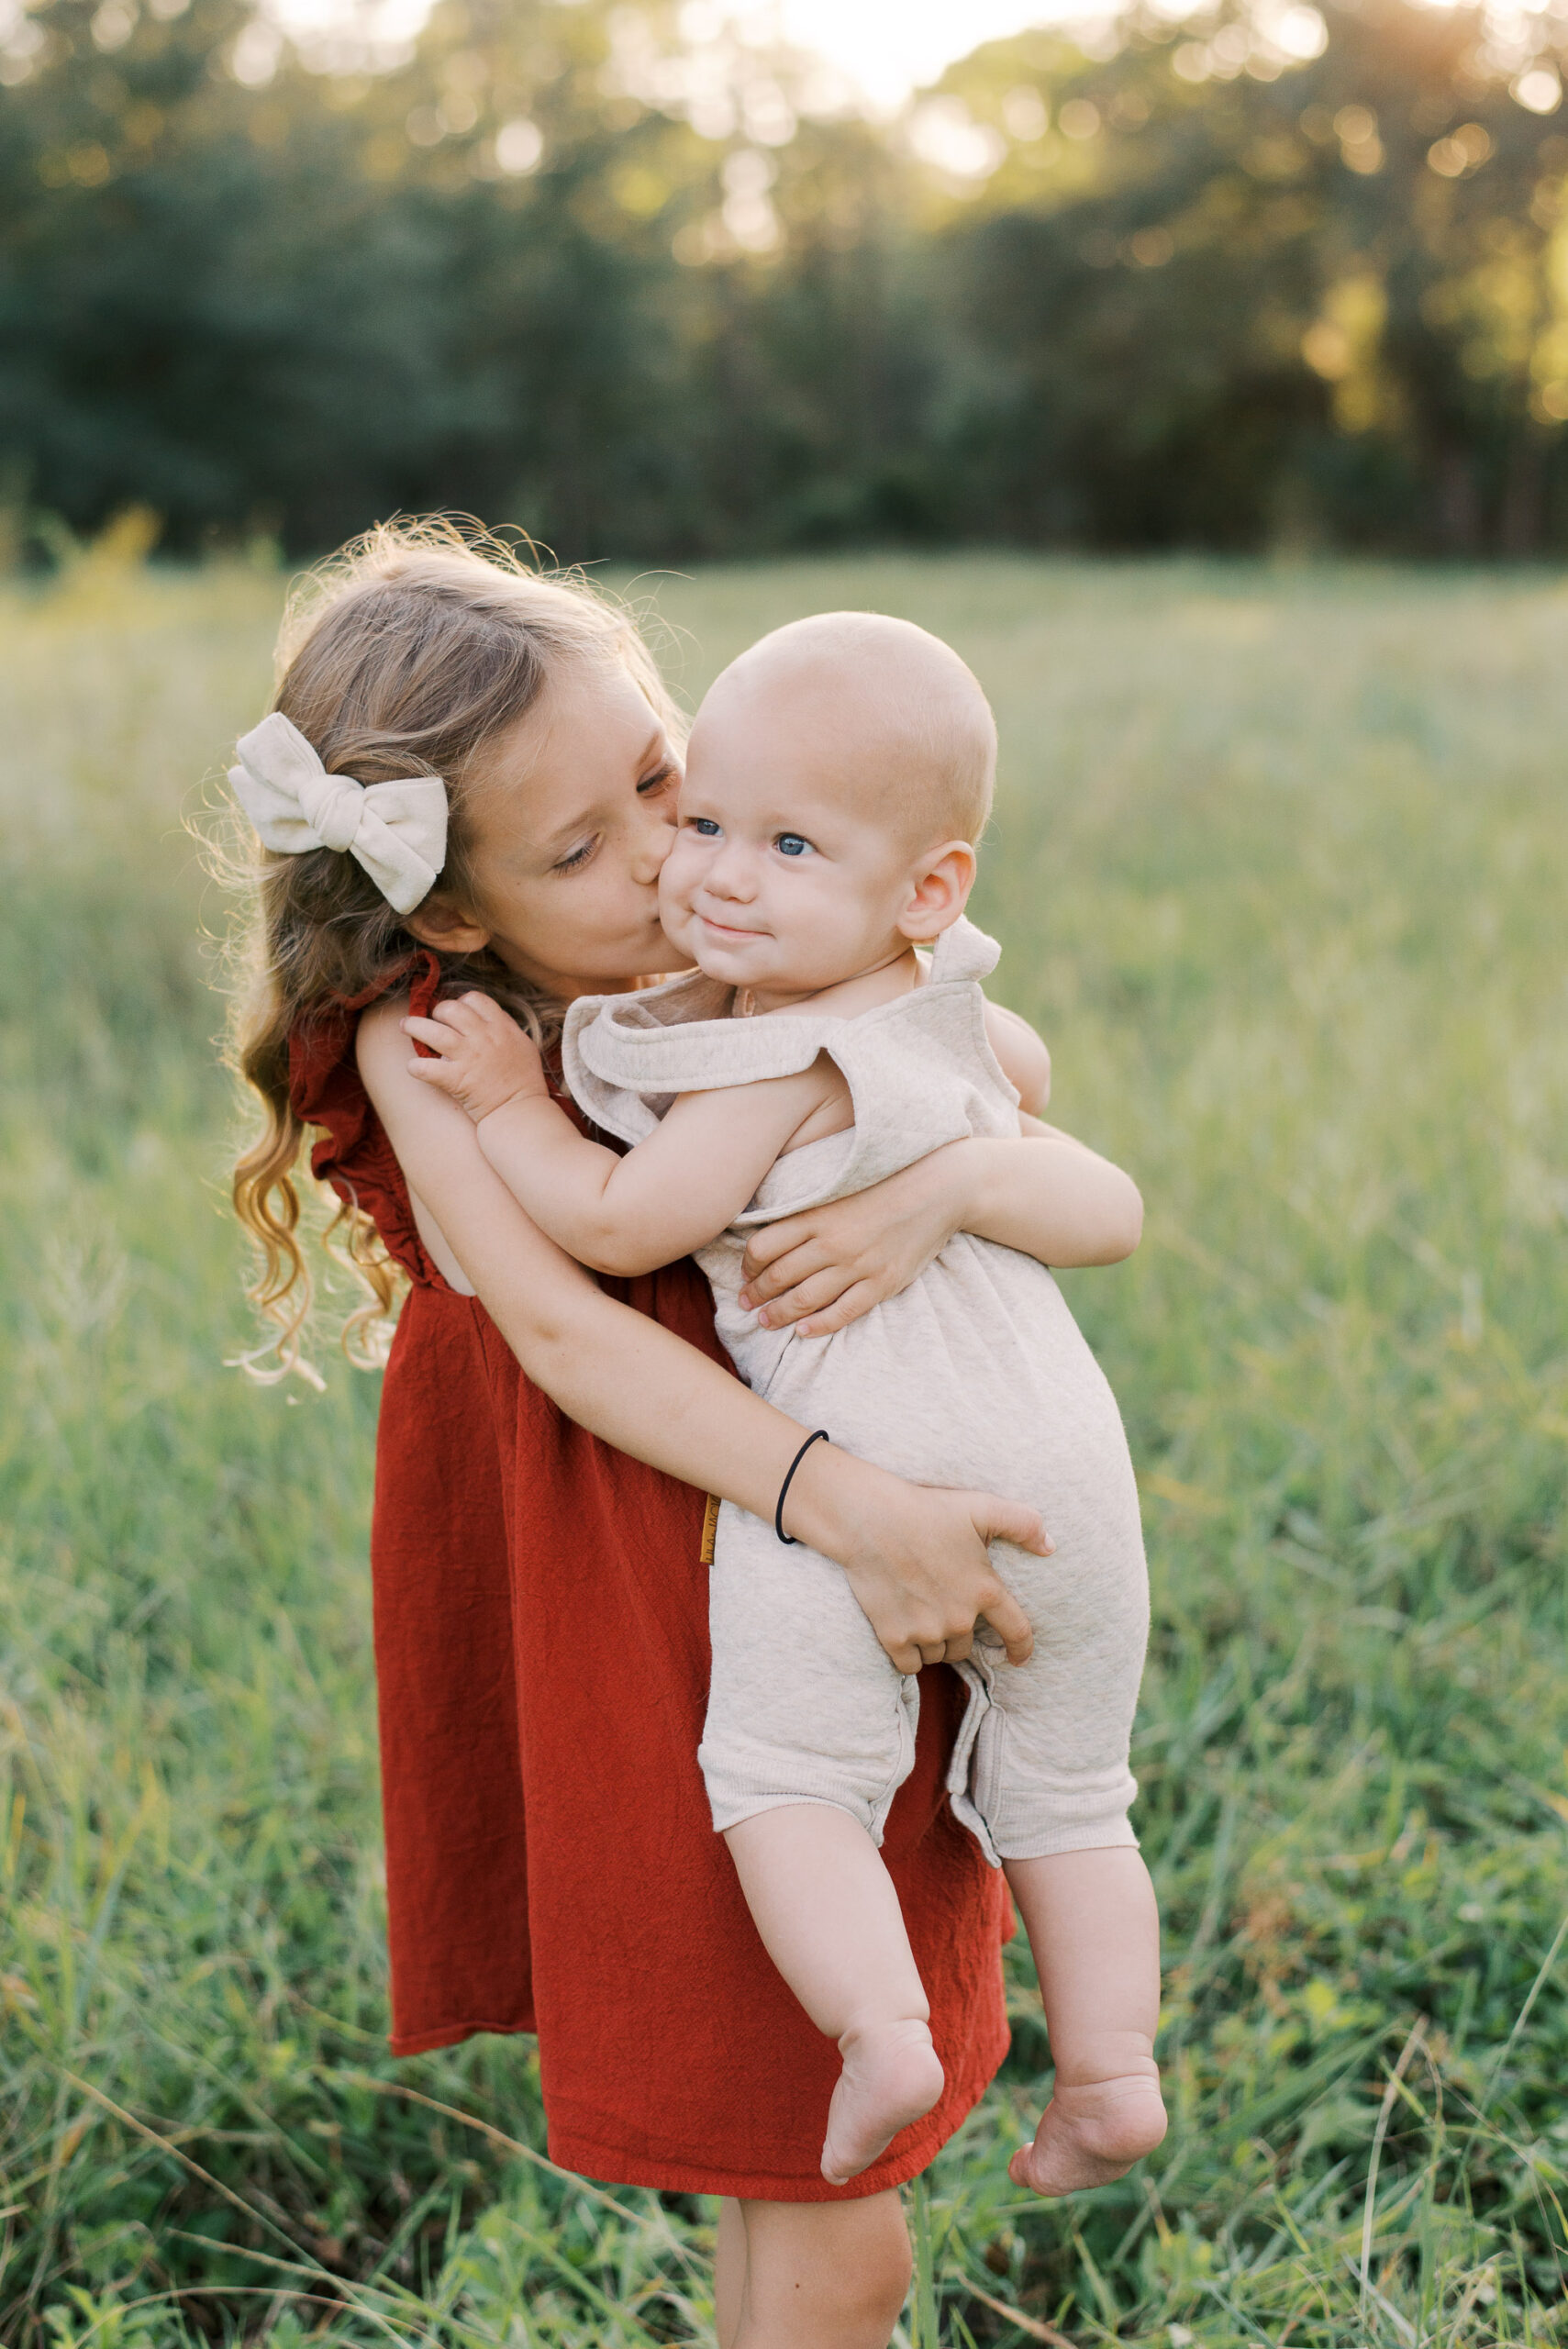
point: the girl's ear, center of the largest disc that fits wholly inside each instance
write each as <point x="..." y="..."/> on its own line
<point x="443" y="924"/>
<point x="941" y="884"/>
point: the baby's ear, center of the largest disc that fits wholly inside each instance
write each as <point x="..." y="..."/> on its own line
<point x="940" y="888"/>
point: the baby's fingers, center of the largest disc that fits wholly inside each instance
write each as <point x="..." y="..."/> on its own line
<point x="435" y="1034"/>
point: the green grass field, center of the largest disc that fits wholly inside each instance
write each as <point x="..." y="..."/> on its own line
<point x="1280" y="863"/>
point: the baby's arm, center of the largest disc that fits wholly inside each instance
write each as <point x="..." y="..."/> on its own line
<point x="676" y="1191"/>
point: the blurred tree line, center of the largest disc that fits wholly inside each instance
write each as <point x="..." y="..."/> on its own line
<point x="643" y="282"/>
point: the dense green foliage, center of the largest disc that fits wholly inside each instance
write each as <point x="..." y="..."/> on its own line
<point x="561" y="267"/>
<point x="1279" y="866"/>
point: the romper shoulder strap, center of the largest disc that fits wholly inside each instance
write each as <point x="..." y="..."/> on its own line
<point x="919" y="1069"/>
<point x="962" y="952"/>
<point x="625" y="1057"/>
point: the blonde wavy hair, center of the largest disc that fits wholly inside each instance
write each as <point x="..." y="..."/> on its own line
<point x="409" y="652"/>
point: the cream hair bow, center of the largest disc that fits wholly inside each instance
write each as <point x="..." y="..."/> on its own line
<point x="397" y="830"/>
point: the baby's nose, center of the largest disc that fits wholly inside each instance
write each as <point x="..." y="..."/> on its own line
<point x="730" y="873"/>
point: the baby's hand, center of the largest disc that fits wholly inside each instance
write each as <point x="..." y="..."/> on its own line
<point x="481" y="1058"/>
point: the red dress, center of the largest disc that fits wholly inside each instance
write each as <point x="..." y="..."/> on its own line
<point x="542" y="1665"/>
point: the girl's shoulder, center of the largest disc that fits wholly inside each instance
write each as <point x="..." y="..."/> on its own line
<point x="381" y="1047"/>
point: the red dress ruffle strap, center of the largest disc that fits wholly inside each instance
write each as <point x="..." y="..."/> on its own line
<point x="542" y="1662"/>
<point x="354" y="1153"/>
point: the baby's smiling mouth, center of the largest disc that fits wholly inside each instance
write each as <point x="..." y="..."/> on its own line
<point x="727" y="929"/>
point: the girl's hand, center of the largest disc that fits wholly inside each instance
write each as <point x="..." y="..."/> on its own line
<point x="823" y="1269"/>
<point x="915" y="1555"/>
<point x="481" y="1058"/>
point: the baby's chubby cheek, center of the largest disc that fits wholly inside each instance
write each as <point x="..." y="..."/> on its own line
<point x="675" y="908"/>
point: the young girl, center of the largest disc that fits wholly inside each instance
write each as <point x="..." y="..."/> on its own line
<point x="838" y="776"/>
<point x="541" y="1605"/>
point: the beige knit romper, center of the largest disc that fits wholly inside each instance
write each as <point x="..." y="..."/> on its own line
<point x="976" y="1375"/>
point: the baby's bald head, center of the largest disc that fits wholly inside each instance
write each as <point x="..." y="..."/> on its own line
<point x="890" y="709"/>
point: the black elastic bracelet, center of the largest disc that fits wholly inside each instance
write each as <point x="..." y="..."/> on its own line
<point x="818" y="1435"/>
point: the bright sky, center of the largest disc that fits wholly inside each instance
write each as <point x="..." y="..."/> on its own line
<point x="890" y="46"/>
<point x="886" y="47"/>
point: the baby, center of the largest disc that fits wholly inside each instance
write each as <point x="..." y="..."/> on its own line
<point x="839" y="775"/>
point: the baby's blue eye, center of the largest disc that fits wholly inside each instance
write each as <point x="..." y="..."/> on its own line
<point x="791" y="844"/>
<point x="704" y="827"/>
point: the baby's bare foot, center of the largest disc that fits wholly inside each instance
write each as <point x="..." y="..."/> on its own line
<point x="1091" y="2132"/>
<point x="892" y="2076"/>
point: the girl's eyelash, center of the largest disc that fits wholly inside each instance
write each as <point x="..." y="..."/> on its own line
<point x="579" y="856"/>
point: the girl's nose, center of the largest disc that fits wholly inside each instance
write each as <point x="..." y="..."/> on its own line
<point x="654" y="843"/>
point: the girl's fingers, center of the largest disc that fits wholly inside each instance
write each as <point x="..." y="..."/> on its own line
<point x="783" y="1270"/>
<point x="1012" y="1627"/>
<point x="805" y="1297"/>
<point x="772" y="1240"/>
<point x="1015" y="1521"/>
<point x="857" y="1299"/>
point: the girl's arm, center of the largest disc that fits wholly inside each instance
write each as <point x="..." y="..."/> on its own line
<point x="916" y="1557"/>
<point x="1025" y="1057"/>
<point x="1056" y="1200"/>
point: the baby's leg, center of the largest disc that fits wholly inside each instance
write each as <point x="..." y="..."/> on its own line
<point x="811" y="2274"/>
<point x="1051" y="1779"/>
<point x="829" y="1918"/>
<point x="810" y="1732"/>
<point x="1094" y="1931"/>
